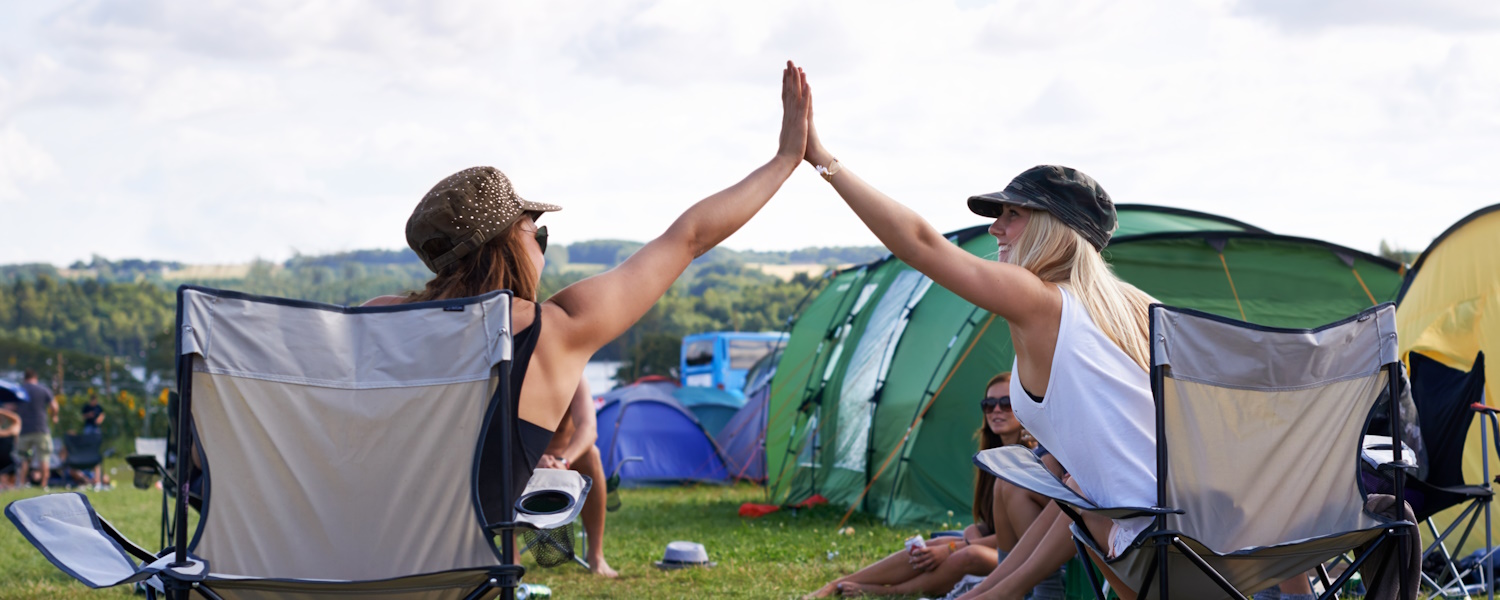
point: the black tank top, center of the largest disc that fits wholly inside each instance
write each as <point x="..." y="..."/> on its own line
<point x="528" y="440"/>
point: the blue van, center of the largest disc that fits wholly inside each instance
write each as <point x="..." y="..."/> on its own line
<point x="720" y="359"/>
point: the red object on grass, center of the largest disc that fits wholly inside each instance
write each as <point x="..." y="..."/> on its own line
<point x="815" y="500"/>
<point x="751" y="510"/>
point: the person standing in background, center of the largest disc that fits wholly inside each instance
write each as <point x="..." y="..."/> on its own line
<point x="37" y="416"/>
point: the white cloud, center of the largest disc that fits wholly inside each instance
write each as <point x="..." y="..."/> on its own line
<point x="1316" y="15"/>
<point x="194" y="92"/>
<point x="220" y="131"/>
<point x="21" y="162"/>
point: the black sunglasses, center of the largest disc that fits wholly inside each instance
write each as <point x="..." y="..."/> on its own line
<point x="541" y="238"/>
<point x="990" y="402"/>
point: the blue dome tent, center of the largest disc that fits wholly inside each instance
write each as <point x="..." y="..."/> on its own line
<point x="644" y="420"/>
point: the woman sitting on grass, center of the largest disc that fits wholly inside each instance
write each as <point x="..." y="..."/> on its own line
<point x="1002" y="512"/>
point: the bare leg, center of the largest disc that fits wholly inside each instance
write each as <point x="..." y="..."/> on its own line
<point x="1297" y="585"/>
<point x="1100" y="528"/>
<point x="890" y="570"/>
<point x="594" y="511"/>
<point x="1054" y="546"/>
<point x="969" y="560"/>
<point x="1015" y="510"/>
<point x="1030" y="540"/>
<point x="46" y="470"/>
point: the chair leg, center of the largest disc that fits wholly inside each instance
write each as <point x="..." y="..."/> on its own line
<point x="1088" y="569"/>
<point x="1404" y="553"/>
<point x="1205" y="567"/>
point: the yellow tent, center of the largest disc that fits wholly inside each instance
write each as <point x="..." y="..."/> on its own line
<point x="1449" y="310"/>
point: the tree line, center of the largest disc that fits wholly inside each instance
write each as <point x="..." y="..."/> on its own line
<point x="124" y="309"/>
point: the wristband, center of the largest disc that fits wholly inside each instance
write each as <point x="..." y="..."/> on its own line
<point x="829" y="171"/>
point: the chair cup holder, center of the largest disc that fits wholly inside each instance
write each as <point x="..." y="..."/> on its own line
<point x="545" y="502"/>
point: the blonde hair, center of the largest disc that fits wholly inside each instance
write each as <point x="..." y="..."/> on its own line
<point x="1057" y="254"/>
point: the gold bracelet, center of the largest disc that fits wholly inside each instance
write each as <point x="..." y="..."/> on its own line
<point x="829" y="171"/>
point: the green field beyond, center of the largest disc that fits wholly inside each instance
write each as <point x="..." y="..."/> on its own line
<point x="781" y="555"/>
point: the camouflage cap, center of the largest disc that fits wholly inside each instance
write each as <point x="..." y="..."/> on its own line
<point x="1072" y="197"/>
<point x="463" y="212"/>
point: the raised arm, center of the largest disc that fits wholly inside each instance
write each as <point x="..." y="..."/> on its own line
<point x="1004" y="289"/>
<point x="602" y="307"/>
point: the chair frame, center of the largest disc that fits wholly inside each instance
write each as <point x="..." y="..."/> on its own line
<point x="506" y="576"/>
<point x="1165" y="539"/>
<point x="1477" y="506"/>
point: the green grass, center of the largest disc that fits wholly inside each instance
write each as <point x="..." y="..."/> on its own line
<point x="782" y="555"/>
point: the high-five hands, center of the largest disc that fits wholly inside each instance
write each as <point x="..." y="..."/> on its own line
<point x="796" y="108"/>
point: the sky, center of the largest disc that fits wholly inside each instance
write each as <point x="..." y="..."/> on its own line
<point x="220" y="131"/>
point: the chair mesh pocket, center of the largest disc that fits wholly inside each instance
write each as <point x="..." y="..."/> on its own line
<point x="550" y="547"/>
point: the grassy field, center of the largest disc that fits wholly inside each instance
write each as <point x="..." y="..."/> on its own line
<point x="781" y="555"/>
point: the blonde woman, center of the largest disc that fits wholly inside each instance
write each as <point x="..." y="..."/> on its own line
<point x="1080" y="334"/>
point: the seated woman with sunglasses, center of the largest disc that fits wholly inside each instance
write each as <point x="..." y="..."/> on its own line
<point x="1002" y="512"/>
<point x="477" y="235"/>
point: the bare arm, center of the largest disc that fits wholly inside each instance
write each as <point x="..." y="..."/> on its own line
<point x="585" y="424"/>
<point x="1006" y="290"/>
<point x="602" y="307"/>
<point x="14" y="426"/>
<point x="1053" y="466"/>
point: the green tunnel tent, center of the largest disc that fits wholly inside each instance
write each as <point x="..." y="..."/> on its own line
<point x="874" y="403"/>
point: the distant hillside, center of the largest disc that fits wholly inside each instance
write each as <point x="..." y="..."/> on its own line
<point x="123" y="308"/>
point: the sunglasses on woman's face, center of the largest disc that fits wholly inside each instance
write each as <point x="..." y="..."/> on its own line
<point x="541" y="238"/>
<point x="990" y="402"/>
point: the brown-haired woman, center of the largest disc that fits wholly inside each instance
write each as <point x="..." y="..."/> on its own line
<point x="477" y="235"/>
<point x="1002" y="512"/>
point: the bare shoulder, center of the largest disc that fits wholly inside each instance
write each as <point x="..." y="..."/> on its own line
<point x="384" y="301"/>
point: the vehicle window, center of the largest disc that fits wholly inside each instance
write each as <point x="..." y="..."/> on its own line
<point x="700" y="352"/>
<point x="744" y="353"/>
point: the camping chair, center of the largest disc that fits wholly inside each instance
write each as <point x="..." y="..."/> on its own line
<point x="1239" y="407"/>
<point x="148" y="462"/>
<point x="327" y="437"/>
<point x="84" y="452"/>
<point x="1447" y="400"/>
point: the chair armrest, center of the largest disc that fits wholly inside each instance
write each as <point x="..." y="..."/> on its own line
<point x="1019" y="467"/>
<point x="67" y="531"/>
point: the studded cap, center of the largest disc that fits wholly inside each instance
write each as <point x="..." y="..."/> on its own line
<point x="462" y="213"/>
<point x="1074" y="198"/>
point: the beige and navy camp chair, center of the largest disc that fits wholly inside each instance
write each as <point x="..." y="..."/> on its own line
<point x="1258" y="442"/>
<point x="340" y="450"/>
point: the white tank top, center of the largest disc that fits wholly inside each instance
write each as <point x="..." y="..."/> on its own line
<point x="1097" y="417"/>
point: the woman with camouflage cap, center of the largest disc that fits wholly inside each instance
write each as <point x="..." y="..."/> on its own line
<point x="477" y="235"/>
<point x="1080" y="338"/>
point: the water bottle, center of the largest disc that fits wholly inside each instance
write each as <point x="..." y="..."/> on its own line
<point x="533" y="591"/>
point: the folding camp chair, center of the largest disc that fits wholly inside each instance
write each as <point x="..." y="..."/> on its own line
<point x="1258" y="439"/>
<point x="84" y="452"/>
<point x="341" y="455"/>
<point x="1447" y="400"/>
